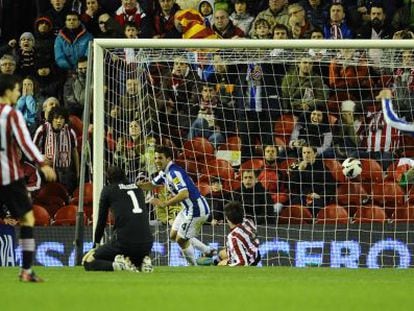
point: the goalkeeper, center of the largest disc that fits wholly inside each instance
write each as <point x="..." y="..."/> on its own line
<point x="132" y="245"/>
<point x="390" y="116"/>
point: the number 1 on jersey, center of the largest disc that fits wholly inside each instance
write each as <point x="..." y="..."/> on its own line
<point x="136" y="209"/>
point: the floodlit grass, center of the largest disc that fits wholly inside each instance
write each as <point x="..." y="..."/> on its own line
<point x="210" y="288"/>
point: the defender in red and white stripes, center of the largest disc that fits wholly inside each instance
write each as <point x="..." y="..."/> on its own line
<point x="242" y="242"/>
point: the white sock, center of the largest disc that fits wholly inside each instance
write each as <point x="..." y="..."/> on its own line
<point x="189" y="255"/>
<point x="200" y="245"/>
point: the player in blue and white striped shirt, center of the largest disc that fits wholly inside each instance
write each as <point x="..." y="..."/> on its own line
<point x="195" y="210"/>
<point x="390" y="116"/>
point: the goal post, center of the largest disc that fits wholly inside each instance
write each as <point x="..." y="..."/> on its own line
<point x="353" y="243"/>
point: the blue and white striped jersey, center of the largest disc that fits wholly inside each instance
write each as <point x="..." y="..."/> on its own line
<point x="177" y="180"/>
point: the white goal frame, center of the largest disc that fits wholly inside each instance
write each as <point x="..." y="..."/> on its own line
<point x="98" y="75"/>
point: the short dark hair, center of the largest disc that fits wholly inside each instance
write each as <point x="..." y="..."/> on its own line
<point x="164" y="150"/>
<point x="115" y="175"/>
<point x="7" y="82"/>
<point x="233" y="211"/>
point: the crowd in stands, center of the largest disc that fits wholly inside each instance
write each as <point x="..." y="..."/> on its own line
<point x="290" y="119"/>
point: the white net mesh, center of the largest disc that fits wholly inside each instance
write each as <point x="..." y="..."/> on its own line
<point x="271" y="128"/>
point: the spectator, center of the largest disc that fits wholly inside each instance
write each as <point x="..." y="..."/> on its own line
<point x="7" y="64"/>
<point x="349" y="75"/>
<point x="403" y="77"/>
<point x="301" y="89"/>
<point x="261" y="29"/>
<point x="224" y="27"/>
<point x="131" y="32"/>
<point x="316" y="12"/>
<point x="57" y="14"/>
<point x="108" y="27"/>
<point x="191" y="25"/>
<point x="336" y="27"/>
<point x="313" y="130"/>
<point x="206" y="9"/>
<point x="44" y="39"/>
<point x="210" y="119"/>
<point x="28" y="103"/>
<point x="9" y="48"/>
<point x="57" y="141"/>
<point x="47" y="107"/>
<point x="300" y="27"/>
<point x="216" y="198"/>
<point x="132" y="11"/>
<point x="74" y="89"/>
<point x="188" y="4"/>
<point x="311" y="184"/>
<point x="50" y="84"/>
<point x="71" y="43"/>
<point x="26" y="55"/>
<point x="241" y="17"/>
<point x="375" y="28"/>
<point x="403" y="18"/>
<point x="277" y="13"/>
<point x="90" y="17"/>
<point x="257" y="202"/>
<point x="345" y="131"/>
<point x="164" y="20"/>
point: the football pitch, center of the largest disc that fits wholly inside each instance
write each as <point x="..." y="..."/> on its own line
<point x="210" y="288"/>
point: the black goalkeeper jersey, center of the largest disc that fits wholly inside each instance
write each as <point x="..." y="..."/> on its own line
<point x="127" y="204"/>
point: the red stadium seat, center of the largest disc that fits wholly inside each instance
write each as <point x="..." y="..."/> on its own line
<point x="54" y="189"/>
<point x="351" y="194"/>
<point x="76" y="124"/>
<point x="332" y="214"/>
<point x="389" y="195"/>
<point x="198" y="148"/>
<point x="220" y="168"/>
<point x="295" y="214"/>
<point x="232" y="143"/>
<point x="204" y="188"/>
<point x="41" y="215"/>
<point x="403" y="214"/>
<point x="371" y="170"/>
<point x="50" y="203"/>
<point x="335" y="168"/>
<point x="269" y="180"/>
<point x="255" y="164"/>
<point x="285" y="165"/>
<point x="66" y="216"/>
<point x="370" y="214"/>
<point x="284" y="126"/>
<point x="87" y="195"/>
<point x="191" y="166"/>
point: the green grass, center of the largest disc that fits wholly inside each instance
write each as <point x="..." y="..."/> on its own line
<point x="210" y="288"/>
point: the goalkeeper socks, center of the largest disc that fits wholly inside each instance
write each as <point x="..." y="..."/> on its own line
<point x="200" y="245"/>
<point x="27" y="244"/>
<point x="189" y="255"/>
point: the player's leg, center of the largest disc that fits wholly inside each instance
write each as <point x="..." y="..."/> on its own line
<point x="108" y="257"/>
<point x="178" y="230"/>
<point x="17" y="199"/>
<point x="140" y="257"/>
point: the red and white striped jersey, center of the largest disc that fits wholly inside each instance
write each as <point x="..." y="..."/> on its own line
<point x="14" y="134"/>
<point x="242" y="244"/>
<point x="380" y="136"/>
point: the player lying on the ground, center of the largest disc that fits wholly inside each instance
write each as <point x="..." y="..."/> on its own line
<point x="242" y="247"/>
<point x="133" y="242"/>
<point x="389" y="114"/>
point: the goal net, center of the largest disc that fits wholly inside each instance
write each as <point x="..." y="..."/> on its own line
<point x="292" y="129"/>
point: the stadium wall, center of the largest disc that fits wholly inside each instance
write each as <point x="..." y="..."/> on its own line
<point x="352" y="246"/>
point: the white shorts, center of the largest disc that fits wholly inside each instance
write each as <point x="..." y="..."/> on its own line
<point x="188" y="227"/>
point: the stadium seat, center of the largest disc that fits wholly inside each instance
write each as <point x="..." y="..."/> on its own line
<point x="41" y="215"/>
<point x="232" y="143"/>
<point x="395" y="171"/>
<point x="389" y="195"/>
<point x="280" y="197"/>
<point x="76" y="124"/>
<point x="351" y="194"/>
<point x="220" y="168"/>
<point x="370" y="214"/>
<point x="371" y="170"/>
<point x="66" y="216"/>
<point x="332" y="214"/>
<point x="295" y="214"/>
<point x="191" y="166"/>
<point x="269" y="180"/>
<point x="255" y="164"/>
<point x="285" y="165"/>
<point x="335" y="168"/>
<point x="280" y="141"/>
<point x="198" y="148"/>
<point x="408" y="143"/>
<point x="54" y="189"/>
<point x="204" y="188"/>
<point x="284" y="125"/>
<point x="87" y="195"/>
<point x="50" y="203"/>
<point x="403" y="214"/>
